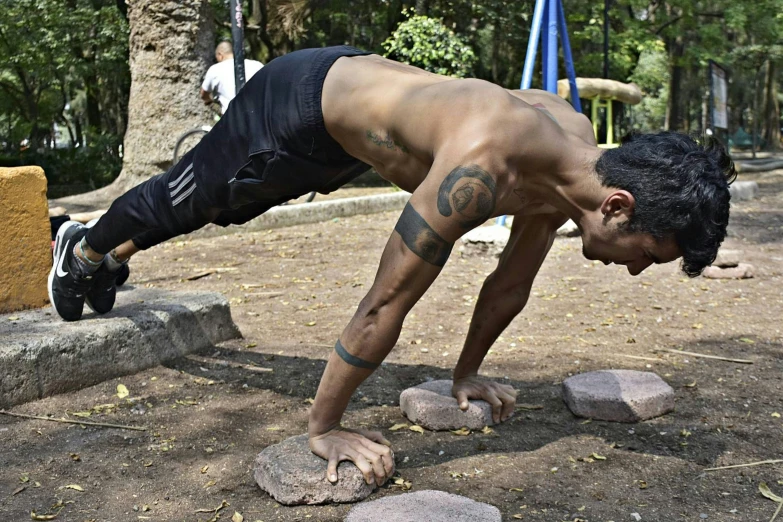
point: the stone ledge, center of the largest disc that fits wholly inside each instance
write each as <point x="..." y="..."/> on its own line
<point x="42" y="355"/>
<point x="290" y="215"/>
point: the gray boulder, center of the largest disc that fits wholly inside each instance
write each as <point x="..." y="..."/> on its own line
<point x="429" y="505"/>
<point x="432" y="406"/>
<point x="293" y="475"/>
<point x="618" y="395"/>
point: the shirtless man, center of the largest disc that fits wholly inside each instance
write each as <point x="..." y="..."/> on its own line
<point x="468" y="151"/>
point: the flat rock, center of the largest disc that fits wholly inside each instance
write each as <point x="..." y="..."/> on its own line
<point x="42" y="355"/>
<point x="432" y="406"/>
<point x="293" y="475"/>
<point x="618" y="395"/>
<point x="741" y="271"/>
<point x="485" y="241"/>
<point x="743" y="190"/>
<point x="727" y="258"/>
<point x="568" y="229"/>
<point x="429" y="505"/>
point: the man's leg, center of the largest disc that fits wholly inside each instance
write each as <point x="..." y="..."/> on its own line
<point x="162" y="207"/>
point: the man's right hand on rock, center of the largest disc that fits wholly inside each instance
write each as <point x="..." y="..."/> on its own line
<point x="369" y="450"/>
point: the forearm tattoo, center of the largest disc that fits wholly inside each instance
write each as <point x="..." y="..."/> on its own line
<point x="352" y="359"/>
<point x="421" y="239"/>
<point x="471" y="192"/>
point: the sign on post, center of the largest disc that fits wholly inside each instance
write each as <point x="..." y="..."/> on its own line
<point x="719" y="96"/>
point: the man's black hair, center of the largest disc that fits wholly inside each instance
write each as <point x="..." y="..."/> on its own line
<point x="681" y="189"/>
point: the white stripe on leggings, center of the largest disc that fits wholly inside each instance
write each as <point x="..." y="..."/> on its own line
<point x="184" y="173"/>
<point x="182" y="196"/>
<point x="182" y="185"/>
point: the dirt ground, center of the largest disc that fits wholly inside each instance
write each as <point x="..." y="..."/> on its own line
<point x="292" y="291"/>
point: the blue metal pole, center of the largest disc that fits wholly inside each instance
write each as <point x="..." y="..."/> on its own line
<point x="532" y="45"/>
<point x="545" y="43"/>
<point x="550" y="60"/>
<point x="568" y="57"/>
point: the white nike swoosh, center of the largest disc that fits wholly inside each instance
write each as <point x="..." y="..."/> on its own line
<point x="60" y="272"/>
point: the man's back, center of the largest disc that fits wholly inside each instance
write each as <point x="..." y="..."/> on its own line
<point x="397" y="118"/>
<point x="220" y="79"/>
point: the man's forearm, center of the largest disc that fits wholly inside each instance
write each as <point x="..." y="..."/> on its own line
<point x="366" y="341"/>
<point x="495" y="309"/>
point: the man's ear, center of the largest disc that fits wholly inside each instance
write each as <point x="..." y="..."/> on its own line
<point x="618" y="203"/>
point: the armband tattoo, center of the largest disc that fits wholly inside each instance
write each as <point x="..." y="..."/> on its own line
<point x="352" y="359"/>
<point x="421" y="239"/>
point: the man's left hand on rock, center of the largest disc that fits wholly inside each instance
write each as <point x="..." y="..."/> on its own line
<point x="501" y="397"/>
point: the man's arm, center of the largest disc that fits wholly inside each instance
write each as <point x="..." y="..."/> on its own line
<point x="206" y="96"/>
<point x="503" y="296"/>
<point x="452" y="200"/>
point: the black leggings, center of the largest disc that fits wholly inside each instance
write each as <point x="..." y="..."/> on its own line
<point x="270" y="146"/>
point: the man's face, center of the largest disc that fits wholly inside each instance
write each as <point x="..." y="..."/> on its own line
<point x="636" y="251"/>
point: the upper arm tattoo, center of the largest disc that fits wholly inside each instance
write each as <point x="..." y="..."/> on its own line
<point x="421" y="239"/>
<point x="471" y="192"/>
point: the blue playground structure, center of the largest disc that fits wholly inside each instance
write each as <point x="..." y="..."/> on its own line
<point x="548" y="21"/>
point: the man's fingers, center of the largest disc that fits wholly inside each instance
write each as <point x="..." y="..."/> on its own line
<point x="376" y="461"/>
<point x="508" y="405"/>
<point x="497" y="404"/>
<point x="331" y="470"/>
<point x="364" y="466"/>
<point x="462" y="399"/>
<point x="387" y="456"/>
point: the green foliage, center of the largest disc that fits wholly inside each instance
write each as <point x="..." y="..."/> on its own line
<point x="652" y="77"/>
<point x="63" y="62"/>
<point x="425" y="42"/>
<point x="89" y="167"/>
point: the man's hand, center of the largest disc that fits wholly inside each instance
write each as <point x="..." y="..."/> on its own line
<point x="369" y="450"/>
<point x="502" y="397"/>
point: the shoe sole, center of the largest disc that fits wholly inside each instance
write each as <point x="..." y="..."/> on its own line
<point x="56" y="258"/>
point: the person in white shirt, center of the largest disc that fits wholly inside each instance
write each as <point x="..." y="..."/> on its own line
<point x="219" y="81"/>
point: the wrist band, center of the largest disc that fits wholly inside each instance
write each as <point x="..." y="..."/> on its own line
<point x="87" y="259"/>
<point x="352" y="359"/>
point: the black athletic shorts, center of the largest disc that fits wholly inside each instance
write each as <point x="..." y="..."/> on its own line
<point x="270" y="146"/>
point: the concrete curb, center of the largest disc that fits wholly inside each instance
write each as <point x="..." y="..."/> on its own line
<point x="290" y="215"/>
<point x="42" y="355"/>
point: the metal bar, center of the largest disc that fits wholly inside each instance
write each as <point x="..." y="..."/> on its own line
<point x="551" y="49"/>
<point x="238" y="42"/>
<point x="545" y="45"/>
<point x="568" y="57"/>
<point x="532" y="45"/>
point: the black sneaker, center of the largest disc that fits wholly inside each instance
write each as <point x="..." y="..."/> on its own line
<point x="123" y="274"/>
<point x="100" y="297"/>
<point x="67" y="290"/>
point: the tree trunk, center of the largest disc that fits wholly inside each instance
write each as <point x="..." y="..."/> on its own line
<point x="171" y="46"/>
<point x="771" y="108"/>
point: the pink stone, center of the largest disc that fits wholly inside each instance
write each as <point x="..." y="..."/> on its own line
<point x="293" y="475"/>
<point x="741" y="271"/>
<point x="427" y="505"/>
<point x="618" y="395"/>
<point x="432" y="406"/>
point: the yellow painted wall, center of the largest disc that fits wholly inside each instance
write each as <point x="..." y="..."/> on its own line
<point x="25" y="239"/>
